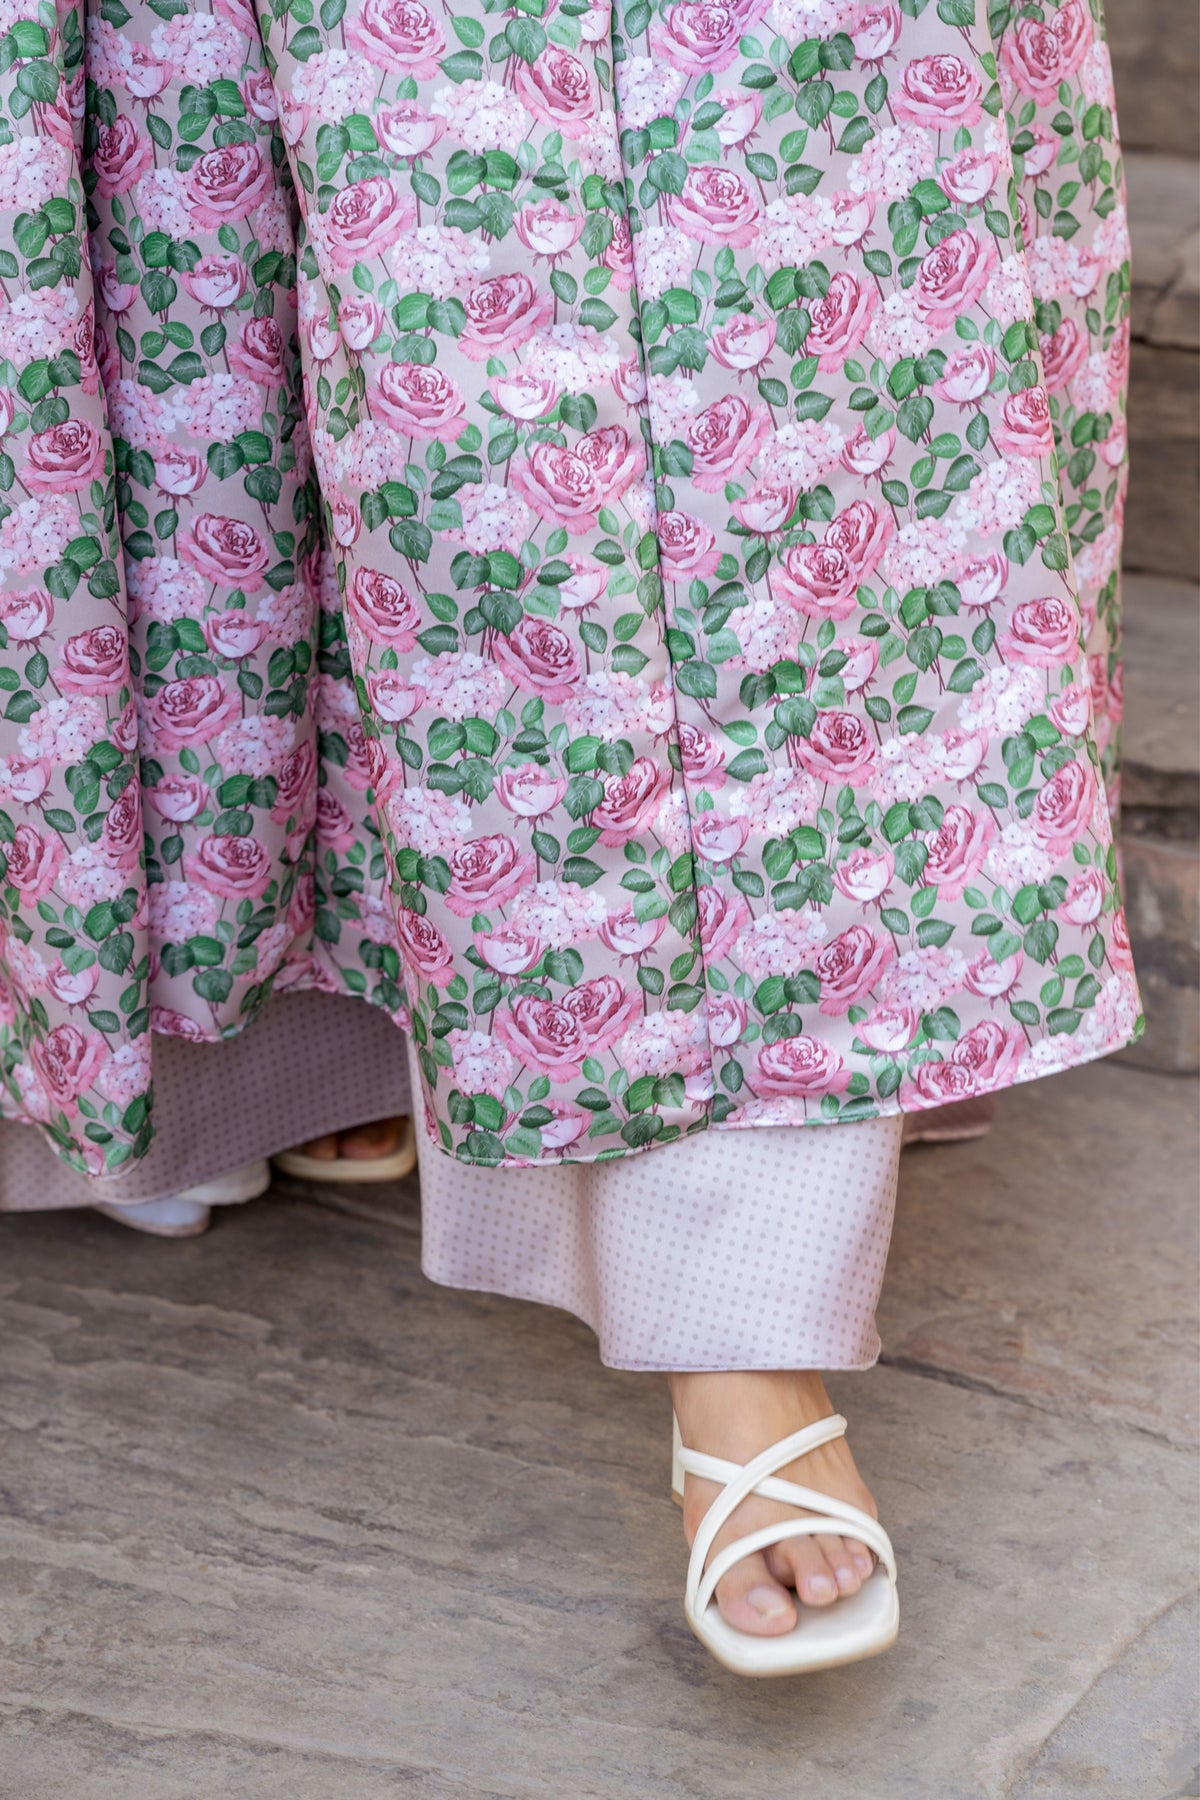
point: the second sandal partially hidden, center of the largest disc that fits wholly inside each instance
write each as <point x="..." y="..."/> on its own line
<point x="857" y="1626"/>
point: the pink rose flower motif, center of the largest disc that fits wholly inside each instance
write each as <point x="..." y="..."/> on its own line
<point x="862" y="660"/>
<point x="524" y="396"/>
<point x="360" y="321"/>
<point x="865" y="875"/>
<point x="189" y="712"/>
<point x="8" y="411"/>
<point x="766" y="510"/>
<point x="549" y="228"/>
<point x="83" y="343"/>
<point x="626" y="935"/>
<point x="236" y="868"/>
<point x="73" y="989"/>
<point x="540" y="657"/>
<point x="406" y="130"/>
<point x="258" y="92"/>
<point x="502" y="315"/>
<point x="852" y="217"/>
<point x="702" y="756"/>
<point x="725" y="438"/>
<point x="228" y="552"/>
<point x="991" y="1051"/>
<point x="818" y="580"/>
<point x="722" y="917"/>
<point x="953" y="275"/>
<point x="938" y="91"/>
<point x="420" y="401"/>
<point x="744" y="343"/>
<point x="560" y="486"/>
<point x="65" y="458"/>
<point x="968" y="374"/>
<point x="619" y="257"/>
<point x="1062" y="354"/>
<point x="889" y="1029"/>
<point x="1114" y="447"/>
<point x="365" y="219"/>
<point x="296" y="788"/>
<point x="544" y="1035"/>
<point x="1084" y="899"/>
<point x="719" y="840"/>
<point x="699" y="39"/>
<point x="509" y="949"/>
<point x="839" y="748"/>
<point x="981" y="579"/>
<point x="1071" y="709"/>
<point x="687" y="548"/>
<point x="1042" y="633"/>
<point x="384" y="609"/>
<point x="336" y="829"/>
<point x="1043" y="151"/>
<point x="603" y="1008"/>
<point x="875" y="31"/>
<point x="67" y="1061"/>
<point x="424" y="948"/>
<point x="850" y="965"/>
<point x="865" y="455"/>
<point x="957" y="850"/>
<point x="346" y="519"/>
<point x="121" y="157"/>
<point x="217" y="281"/>
<point x="121" y="838"/>
<point x="486" y="872"/>
<point x="631" y="801"/>
<point x="393" y="698"/>
<point x="585" y="585"/>
<point x="179" y="797"/>
<point x="146" y="75"/>
<point x="26" y="617"/>
<point x="33" y="862"/>
<point x="169" y="1023"/>
<point x="1025" y="427"/>
<point x="840" y="318"/>
<point x="938" y="1084"/>
<point x="963" y="754"/>
<point x="26" y="779"/>
<point x="1120" y="953"/>
<point x="258" y="352"/>
<point x="1039" y="56"/>
<point x="94" y="662"/>
<point x="1063" y="809"/>
<point x="557" y="88"/>
<point x="401" y="35"/>
<point x="123" y="730"/>
<point x="799" y="1068"/>
<point x="715" y="206"/>
<point x="740" y="119"/>
<point x="968" y="178"/>
<point x="226" y="184"/>
<point x="990" y="979"/>
<point x="179" y="471"/>
<point x="614" y="459"/>
<point x="233" y="634"/>
<point x="528" y="790"/>
<point x="726" y="1019"/>
<point x="566" y="1127"/>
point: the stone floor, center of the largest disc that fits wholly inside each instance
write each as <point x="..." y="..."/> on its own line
<point x="279" y="1520"/>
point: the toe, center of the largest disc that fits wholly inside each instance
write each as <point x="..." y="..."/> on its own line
<point x="752" y="1600"/>
<point x="324" y="1149"/>
<point x="366" y="1142"/>
<point x="861" y="1557"/>
<point x="838" y="1555"/>
<point x="802" y="1562"/>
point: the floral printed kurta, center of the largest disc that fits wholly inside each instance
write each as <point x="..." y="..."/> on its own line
<point x="598" y="534"/>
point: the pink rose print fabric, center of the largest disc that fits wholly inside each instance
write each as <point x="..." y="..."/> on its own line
<point x="598" y="533"/>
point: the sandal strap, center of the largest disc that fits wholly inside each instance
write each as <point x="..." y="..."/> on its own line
<point x="747" y="1478"/>
<point x="781" y="1532"/>
<point x="716" y="1469"/>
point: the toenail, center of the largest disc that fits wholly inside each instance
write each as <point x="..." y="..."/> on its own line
<point x="767" y="1602"/>
<point x="820" y="1587"/>
<point x="845" y="1575"/>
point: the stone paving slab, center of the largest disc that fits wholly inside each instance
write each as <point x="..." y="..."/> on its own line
<point x="1162" y="695"/>
<point x="1164" y="222"/>
<point x="284" y="1519"/>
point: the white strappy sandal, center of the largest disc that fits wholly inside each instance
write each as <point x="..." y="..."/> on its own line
<point x="852" y="1628"/>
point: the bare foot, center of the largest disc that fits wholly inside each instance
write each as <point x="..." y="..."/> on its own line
<point x="736" y="1415"/>
<point x="366" y="1142"/>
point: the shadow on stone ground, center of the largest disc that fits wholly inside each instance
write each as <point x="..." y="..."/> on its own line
<point x="283" y="1521"/>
